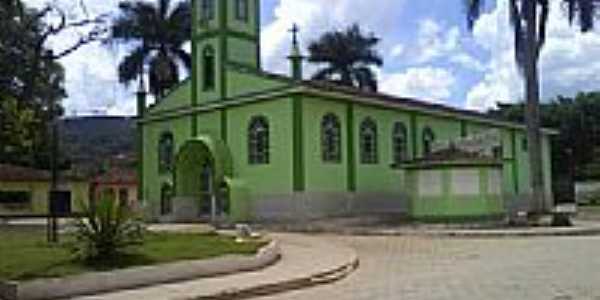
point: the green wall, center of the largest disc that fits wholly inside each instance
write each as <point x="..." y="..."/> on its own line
<point x="179" y="97"/>
<point x="152" y="179"/>
<point x="450" y="204"/>
<point x="319" y="176"/>
<point x="244" y="83"/>
<point x="276" y="177"/>
<point x="379" y="177"/>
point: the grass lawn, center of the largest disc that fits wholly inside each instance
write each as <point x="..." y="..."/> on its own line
<point x="24" y="253"/>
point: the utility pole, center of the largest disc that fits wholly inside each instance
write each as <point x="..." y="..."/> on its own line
<point x="51" y="223"/>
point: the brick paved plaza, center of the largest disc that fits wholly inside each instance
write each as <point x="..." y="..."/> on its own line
<point x="427" y="268"/>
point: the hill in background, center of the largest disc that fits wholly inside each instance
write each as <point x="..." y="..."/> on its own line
<point x="92" y="144"/>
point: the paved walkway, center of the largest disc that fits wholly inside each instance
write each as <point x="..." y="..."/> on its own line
<point x="414" y="267"/>
<point x="580" y="228"/>
<point x="301" y="257"/>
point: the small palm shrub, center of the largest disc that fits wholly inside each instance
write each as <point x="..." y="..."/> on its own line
<point x="106" y="232"/>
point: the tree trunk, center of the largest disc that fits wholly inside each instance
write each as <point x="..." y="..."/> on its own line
<point x="536" y="174"/>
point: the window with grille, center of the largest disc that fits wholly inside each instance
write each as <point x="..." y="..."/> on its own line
<point x="208" y="61"/>
<point x="331" y="144"/>
<point x="165" y="152"/>
<point x="207" y="10"/>
<point x="399" y="143"/>
<point x="258" y="141"/>
<point x="428" y="140"/>
<point x="241" y="10"/>
<point x="368" y="142"/>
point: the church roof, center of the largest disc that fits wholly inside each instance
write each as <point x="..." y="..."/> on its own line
<point x="411" y="103"/>
<point x="381" y="98"/>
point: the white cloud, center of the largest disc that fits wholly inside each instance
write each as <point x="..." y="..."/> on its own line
<point x="568" y="62"/>
<point x="315" y="17"/>
<point x="427" y="83"/>
<point x="398" y="50"/>
<point x="433" y="42"/>
<point x="467" y="61"/>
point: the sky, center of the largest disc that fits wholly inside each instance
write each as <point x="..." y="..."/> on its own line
<point x="428" y="52"/>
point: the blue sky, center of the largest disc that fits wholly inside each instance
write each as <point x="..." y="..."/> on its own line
<point x="428" y="52"/>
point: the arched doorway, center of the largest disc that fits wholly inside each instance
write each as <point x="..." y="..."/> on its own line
<point x="200" y="169"/>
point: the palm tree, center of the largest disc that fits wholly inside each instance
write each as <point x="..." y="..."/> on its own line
<point x="348" y="56"/>
<point x="529" y="19"/>
<point x="159" y="30"/>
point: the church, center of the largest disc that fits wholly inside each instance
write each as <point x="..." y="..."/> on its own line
<point x="236" y="143"/>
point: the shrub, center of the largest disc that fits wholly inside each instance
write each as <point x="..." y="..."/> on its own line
<point x="106" y="231"/>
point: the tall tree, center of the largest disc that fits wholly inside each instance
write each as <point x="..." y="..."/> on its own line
<point x="529" y="19"/>
<point x="348" y="56"/>
<point x="159" y="31"/>
<point x="30" y="71"/>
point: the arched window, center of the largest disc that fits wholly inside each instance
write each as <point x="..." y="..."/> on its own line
<point x="428" y="139"/>
<point x="331" y="139"/>
<point x="368" y="142"/>
<point x="166" y="146"/>
<point x="241" y="10"/>
<point x="166" y="195"/>
<point x="208" y="61"/>
<point x="399" y="143"/>
<point x="258" y="141"/>
<point x="207" y="12"/>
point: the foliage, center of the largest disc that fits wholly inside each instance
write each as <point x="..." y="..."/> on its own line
<point x="29" y="70"/>
<point x="578" y="120"/>
<point x="106" y="231"/>
<point x="17" y="130"/>
<point x="158" y="30"/>
<point x="529" y="21"/>
<point x="348" y="56"/>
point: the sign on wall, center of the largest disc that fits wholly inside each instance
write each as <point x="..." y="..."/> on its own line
<point x="482" y="143"/>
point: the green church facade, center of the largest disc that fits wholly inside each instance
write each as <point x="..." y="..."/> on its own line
<point x="238" y="142"/>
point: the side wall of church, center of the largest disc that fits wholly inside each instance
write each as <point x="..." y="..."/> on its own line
<point x="351" y="187"/>
<point x="269" y="186"/>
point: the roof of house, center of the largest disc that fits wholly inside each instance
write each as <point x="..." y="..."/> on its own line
<point x="117" y="176"/>
<point x="13" y="173"/>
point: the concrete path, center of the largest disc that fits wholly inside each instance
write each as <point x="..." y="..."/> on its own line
<point x="580" y="228"/>
<point x="303" y="258"/>
<point x="432" y="268"/>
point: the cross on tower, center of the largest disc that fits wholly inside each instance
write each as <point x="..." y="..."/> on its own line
<point x="294" y="32"/>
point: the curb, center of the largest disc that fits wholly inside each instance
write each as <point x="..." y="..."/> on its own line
<point x="104" y="282"/>
<point x="457" y="233"/>
<point x="475" y="233"/>
<point x="321" y="278"/>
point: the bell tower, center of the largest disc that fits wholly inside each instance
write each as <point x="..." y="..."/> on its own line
<point x="223" y="31"/>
